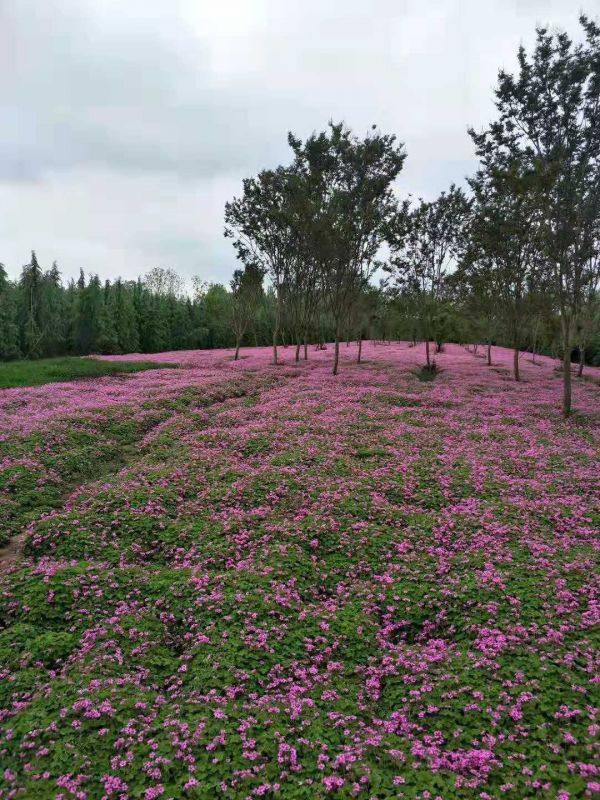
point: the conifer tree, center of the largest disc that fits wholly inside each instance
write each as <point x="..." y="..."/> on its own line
<point x="9" y="331"/>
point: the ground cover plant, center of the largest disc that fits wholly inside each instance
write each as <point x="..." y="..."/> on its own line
<point x="247" y="580"/>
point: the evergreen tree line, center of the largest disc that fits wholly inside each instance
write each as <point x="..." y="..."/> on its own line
<point x="41" y="317"/>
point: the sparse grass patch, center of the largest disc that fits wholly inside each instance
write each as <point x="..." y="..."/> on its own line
<point x="427" y="373"/>
<point x="68" y="368"/>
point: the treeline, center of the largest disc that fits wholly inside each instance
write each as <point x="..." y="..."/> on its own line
<point x="42" y="317"/>
<point x="515" y="258"/>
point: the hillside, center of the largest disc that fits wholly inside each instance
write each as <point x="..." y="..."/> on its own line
<point x="241" y="580"/>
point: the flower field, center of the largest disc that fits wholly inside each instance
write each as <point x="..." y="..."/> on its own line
<point x="248" y="581"/>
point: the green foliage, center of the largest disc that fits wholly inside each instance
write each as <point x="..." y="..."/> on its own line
<point x="424" y="240"/>
<point x="40" y="317"/>
<point x="9" y="330"/>
<point x="537" y="187"/>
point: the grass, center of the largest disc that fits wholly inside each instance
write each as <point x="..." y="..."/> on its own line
<point x="428" y="372"/>
<point x="69" y="368"/>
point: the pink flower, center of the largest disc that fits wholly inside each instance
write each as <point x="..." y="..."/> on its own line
<point x="154" y="791"/>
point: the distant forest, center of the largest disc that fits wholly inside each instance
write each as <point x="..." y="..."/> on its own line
<point x="41" y="317"/>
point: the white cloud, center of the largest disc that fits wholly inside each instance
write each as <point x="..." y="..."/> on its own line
<point x="114" y="224"/>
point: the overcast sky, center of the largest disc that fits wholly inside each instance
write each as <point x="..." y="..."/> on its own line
<point x="125" y="125"/>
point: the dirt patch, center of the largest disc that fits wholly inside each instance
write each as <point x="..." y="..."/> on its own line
<point x="10" y="554"/>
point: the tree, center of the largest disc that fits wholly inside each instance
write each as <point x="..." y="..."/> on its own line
<point x="53" y="319"/>
<point x="423" y="242"/>
<point x="549" y="125"/>
<point x="348" y="185"/>
<point x="180" y="323"/>
<point x="501" y="255"/>
<point x="30" y="317"/>
<point x="363" y="314"/>
<point x="164" y="282"/>
<point x="125" y="317"/>
<point x="588" y="320"/>
<point x="9" y="331"/>
<point x="217" y="311"/>
<point x="121" y="317"/>
<point x="246" y="295"/>
<point x="107" y="340"/>
<point x="259" y="225"/>
<point x="87" y="320"/>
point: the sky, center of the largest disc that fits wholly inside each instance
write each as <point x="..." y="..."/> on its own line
<point x="125" y="125"/>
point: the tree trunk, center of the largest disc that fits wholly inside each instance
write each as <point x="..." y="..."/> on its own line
<point x="581" y="360"/>
<point x="297" y="359"/>
<point x="276" y="329"/>
<point x="359" y="348"/>
<point x="427" y="352"/>
<point x="305" y="349"/>
<point x="275" y="336"/>
<point x="567" y="378"/>
<point x="237" y="350"/>
<point x="489" y="354"/>
<point x="336" y="357"/>
<point x="516" y="364"/>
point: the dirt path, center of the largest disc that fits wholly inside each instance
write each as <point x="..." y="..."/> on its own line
<point x="10" y="554"/>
